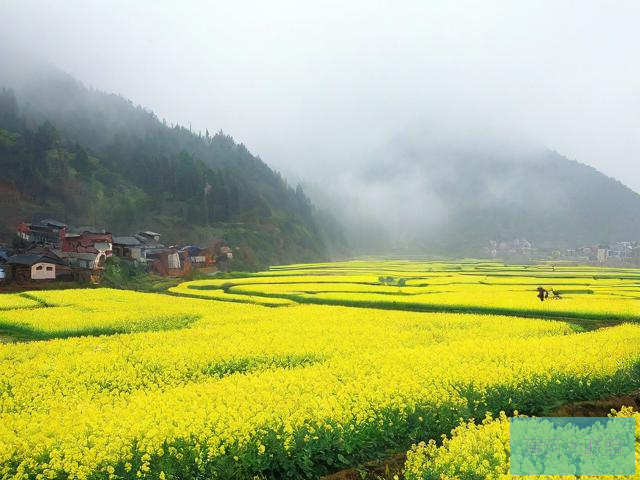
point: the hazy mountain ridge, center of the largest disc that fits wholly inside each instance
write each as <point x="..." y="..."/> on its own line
<point x="90" y="157"/>
<point x="447" y="191"/>
<point x="453" y="199"/>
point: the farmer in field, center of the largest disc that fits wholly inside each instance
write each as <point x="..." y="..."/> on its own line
<point x="542" y="294"/>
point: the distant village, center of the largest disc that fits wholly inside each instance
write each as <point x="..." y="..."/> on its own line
<point x="51" y="250"/>
<point x="617" y="254"/>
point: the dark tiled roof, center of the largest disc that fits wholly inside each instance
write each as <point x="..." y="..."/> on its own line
<point x="53" y="222"/>
<point x="32" y="259"/>
<point x="191" y="250"/>
<point x="148" y="241"/>
<point x="132" y="241"/>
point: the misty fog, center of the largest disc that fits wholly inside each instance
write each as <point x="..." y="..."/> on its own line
<point x="369" y="103"/>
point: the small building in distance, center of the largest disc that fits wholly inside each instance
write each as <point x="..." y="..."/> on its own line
<point x="164" y="260"/>
<point x="623" y="251"/>
<point x="517" y="248"/>
<point x="88" y="242"/>
<point x="199" y="257"/>
<point x="136" y="247"/>
<point x="169" y="262"/>
<point x="48" y="232"/>
<point x="36" y="266"/>
<point x="223" y="256"/>
<point x="149" y="240"/>
<point x="86" y="254"/>
<point x="128" y="248"/>
<point x="84" y="261"/>
<point x="149" y="237"/>
<point x="4" y="256"/>
<point x="602" y="253"/>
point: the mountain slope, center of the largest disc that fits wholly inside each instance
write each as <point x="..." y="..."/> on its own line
<point x="93" y="158"/>
<point x="546" y="198"/>
<point x="435" y="196"/>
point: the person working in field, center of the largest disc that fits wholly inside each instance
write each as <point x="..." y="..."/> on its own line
<point x="556" y="295"/>
<point x="542" y="294"/>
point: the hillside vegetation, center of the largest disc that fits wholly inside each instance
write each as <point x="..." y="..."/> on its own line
<point x="92" y="158"/>
<point x="452" y="197"/>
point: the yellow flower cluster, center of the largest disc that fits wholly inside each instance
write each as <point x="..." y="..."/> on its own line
<point x="586" y="292"/>
<point x="9" y="301"/>
<point x="481" y="451"/>
<point x="65" y="313"/>
<point x="192" y="289"/>
<point x="241" y="390"/>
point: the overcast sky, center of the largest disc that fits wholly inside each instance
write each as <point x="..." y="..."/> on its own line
<point x="316" y="85"/>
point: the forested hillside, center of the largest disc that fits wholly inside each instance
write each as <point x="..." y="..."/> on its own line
<point x="92" y="158"/>
<point x="453" y="198"/>
<point x="539" y="195"/>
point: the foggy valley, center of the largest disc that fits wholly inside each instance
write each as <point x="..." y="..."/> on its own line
<point x="406" y="134"/>
<point x="322" y="240"/>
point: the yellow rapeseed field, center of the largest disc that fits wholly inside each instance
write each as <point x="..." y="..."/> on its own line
<point x="481" y="451"/>
<point x="10" y="301"/>
<point x="471" y="286"/>
<point x="242" y="377"/>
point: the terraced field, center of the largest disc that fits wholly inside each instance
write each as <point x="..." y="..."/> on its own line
<point x="303" y="370"/>
<point x="587" y="293"/>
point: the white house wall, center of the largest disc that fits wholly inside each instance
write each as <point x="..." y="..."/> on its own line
<point x="173" y="260"/>
<point x="43" y="271"/>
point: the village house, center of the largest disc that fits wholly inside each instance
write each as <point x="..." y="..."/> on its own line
<point x="135" y="247"/>
<point x="66" y="256"/>
<point x="35" y="266"/>
<point x="88" y="242"/>
<point x="223" y="261"/>
<point x="622" y="250"/>
<point x="524" y="247"/>
<point x="128" y="248"/>
<point x="602" y="253"/>
<point x="169" y="262"/>
<point x="4" y="256"/>
<point x="47" y="232"/>
<point x="199" y="257"/>
<point x="85" y="261"/>
<point x="146" y="247"/>
<point x="51" y="252"/>
<point x="177" y="262"/>
<point x="521" y="247"/>
<point x="224" y="255"/>
<point x="86" y="253"/>
<point x="149" y="238"/>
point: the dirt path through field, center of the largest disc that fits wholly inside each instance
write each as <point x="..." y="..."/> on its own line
<point x="597" y="408"/>
<point x="374" y="470"/>
<point x="4" y="338"/>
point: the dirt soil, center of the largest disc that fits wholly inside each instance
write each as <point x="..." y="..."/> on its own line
<point x="374" y="470"/>
<point x="597" y="408"/>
